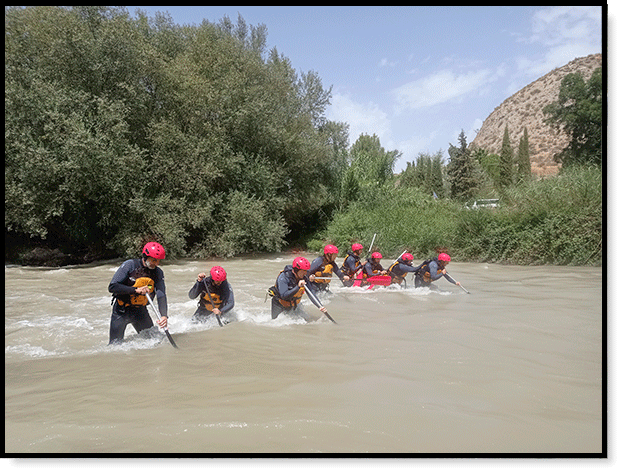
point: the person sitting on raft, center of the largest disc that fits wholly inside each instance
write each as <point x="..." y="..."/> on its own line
<point x="215" y="295"/>
<point x="400" y="268"/>
<point x="321" y="270"/>
<point x="431" y="270"/>
<point x="289" y="287"/>
<point x="352" y="263"/>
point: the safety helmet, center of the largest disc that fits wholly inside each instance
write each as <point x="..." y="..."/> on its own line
<point x="301" y="263"/>
<point x="376" y="255"/>
<point x="356" y="246"/>
<point x="154" y="250"/>
<point x="330" y="249"/>
<point x="218" y="274"/>
<point x="407" y="257"/>
<point x="444" y="257"/>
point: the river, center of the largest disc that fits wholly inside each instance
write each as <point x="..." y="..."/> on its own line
<point x="516" y="366"/>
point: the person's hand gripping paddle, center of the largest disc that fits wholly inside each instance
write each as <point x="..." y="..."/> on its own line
<point x="317" y="302"/>
<point x="157" y="312"/>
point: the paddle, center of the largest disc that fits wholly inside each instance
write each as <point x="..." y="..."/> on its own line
<point x="149" y="299"/>
<point x="212" y="303"/>
<point x="458" y="283"/>
<point x="371" y="246"/>
<point x="316" y="302"/>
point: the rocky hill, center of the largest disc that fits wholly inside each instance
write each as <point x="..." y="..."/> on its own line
<point x="524" y="109"/>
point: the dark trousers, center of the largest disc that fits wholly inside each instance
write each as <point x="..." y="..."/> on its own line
<point x="277" y="308"/>
<point x="202" y="314"/>
<point x="138" y="317"/>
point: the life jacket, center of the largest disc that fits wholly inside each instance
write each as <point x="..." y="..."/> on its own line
<point x="205" y="300"/>
<point x="139" y="277"/>
<point x="376" y="267"/>
<point x="396" y="277"/>
<point x="273" y="292"/>
<point x="325" y="271"/>
<point x="423" y="271"/>
<point x="345" y="268"/>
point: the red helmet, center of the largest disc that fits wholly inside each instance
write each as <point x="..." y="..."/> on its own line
<point x="218" y="274"/>
<point x="356" y="246"/>
<point x="301" y="263"/>
<point x="376" y="255"/>
<point x="444" y="257"/>
<point x="330" y="249"/>
<point x="407" y="257"/>
<point x="154" y="250"/>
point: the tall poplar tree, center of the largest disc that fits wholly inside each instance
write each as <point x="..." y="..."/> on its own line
<point x="506" y="161"/>
<point x="524" y="160"/>
<point x="462" y="171"/>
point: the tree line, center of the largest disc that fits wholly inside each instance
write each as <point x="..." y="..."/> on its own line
<point x="122" y="130"/>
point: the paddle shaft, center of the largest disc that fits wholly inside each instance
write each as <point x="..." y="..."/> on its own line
<point x="458" y="284"/>
<point x="371" y="246"/>
<point x="317" y="302"/>
<point x="212" y="303"/>
<point x="157" y="312"/>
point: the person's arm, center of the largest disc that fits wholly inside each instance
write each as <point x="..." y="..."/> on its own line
<point x="338" y="272"/>
<point x="228" y="298"/>
<point x="161" y="292"/>
<point x="116" y="285"/>
<point x="283" y="287"/>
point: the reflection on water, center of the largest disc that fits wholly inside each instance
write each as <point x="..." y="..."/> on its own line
<point x="516" y="366"/>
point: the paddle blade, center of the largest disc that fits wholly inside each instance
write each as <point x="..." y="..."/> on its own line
<point x="170" y="339"/>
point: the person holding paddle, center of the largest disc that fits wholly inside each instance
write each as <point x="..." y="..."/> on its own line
<point x="372" y="267"/>
<point x="322" y="268"/>
<point x="352" y="263"/>
<point x="400" y="268"/>
<point x="133" y="281"/>
<point x="431" y="270"/>
<point x="289" y="287"/>
<point x="215" y="295"/>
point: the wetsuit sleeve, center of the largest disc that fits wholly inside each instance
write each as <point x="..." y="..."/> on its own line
<point x="228" y="298"/>
<point x="405" y="268"/>
<point x="315" y="266"/>
<point x="337" y="270"/>
<point x="116" y="285"/>
<point x="368" y="268"/>
<point x="352" y="264"/>
<point x="283" y="287"/>
<point x="161" y="293"/>
<point x="196" y="290"/>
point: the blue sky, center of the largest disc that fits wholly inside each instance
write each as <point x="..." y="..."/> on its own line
<point x="417" y="76"/>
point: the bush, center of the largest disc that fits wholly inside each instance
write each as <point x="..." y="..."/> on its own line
<point x="555" y="220"/>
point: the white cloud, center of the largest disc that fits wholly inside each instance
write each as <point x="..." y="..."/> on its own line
<point x="362" y="118"/>
<point x="438" y="88"/>
<point x="562" y="24"/>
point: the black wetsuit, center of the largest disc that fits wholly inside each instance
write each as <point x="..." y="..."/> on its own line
<point x="124" y="312"/>
<point x="428" y="272"/>
<point x="222" y="297"/>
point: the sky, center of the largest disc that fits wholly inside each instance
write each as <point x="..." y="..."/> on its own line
<point x="417" y="76"/>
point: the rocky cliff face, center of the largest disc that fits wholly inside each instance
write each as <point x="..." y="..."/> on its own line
<point x="524" y="109"/>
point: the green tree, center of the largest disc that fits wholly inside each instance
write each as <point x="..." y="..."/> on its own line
<point x="578" y="113"/>
<point x="118" y="129"/>
<point x="524" y="159"/>
<point x="506" y="161"/>
<point x="370" y="167"/>
<point x="461" y="170"/>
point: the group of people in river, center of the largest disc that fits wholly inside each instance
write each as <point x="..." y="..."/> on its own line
<point x="136" y="280"/>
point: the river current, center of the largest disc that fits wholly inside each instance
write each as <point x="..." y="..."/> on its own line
<point x="513" y="367"/>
